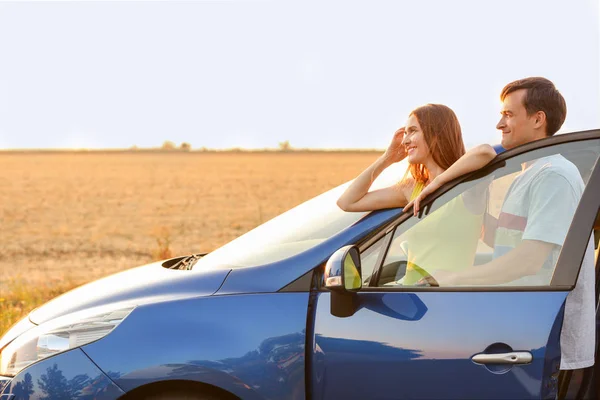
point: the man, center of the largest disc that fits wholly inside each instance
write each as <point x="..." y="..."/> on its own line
<point x="537" y="210"/>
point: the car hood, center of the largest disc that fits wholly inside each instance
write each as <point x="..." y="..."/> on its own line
<point x="141" y="285"/>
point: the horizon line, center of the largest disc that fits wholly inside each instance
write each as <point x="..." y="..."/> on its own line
<point x="180" y="150"/>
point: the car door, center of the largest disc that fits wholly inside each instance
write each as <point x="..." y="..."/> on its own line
<point x="494" y="341"/>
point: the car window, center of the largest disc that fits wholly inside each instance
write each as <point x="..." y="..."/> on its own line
<point x="370" y="257"/>
<point x="529" y="201"/>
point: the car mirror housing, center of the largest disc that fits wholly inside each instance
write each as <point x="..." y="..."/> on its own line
<point x="342" y="271"/>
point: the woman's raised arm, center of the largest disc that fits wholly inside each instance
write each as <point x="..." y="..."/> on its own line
<point x="357" y="196"/>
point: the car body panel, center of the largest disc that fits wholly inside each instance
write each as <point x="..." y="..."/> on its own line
<point x="145" y="284"/>
<point x="70" y="375"/>
<point x="4" y="382"/>
<point x="16" y="330"/>
<point x="419" y="345"/>
<point x="272" y="277"/>
<point x="250" y="345"/>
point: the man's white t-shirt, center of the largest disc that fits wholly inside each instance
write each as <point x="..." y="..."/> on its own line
<point x="540" y="205"/>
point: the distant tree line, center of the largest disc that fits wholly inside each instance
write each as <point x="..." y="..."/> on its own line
<point x="170" y="146"/>
<point x="284" y="147"/>
<point x="185" y="146"/>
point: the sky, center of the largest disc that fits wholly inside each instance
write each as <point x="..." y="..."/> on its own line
<point x="252" y="74"/>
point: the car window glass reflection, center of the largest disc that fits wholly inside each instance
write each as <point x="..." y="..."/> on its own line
<point x="369" y="258"/>
<point x="532" y="201"/>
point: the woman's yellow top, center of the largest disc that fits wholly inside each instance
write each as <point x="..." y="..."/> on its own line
<point x="444" y="240"/>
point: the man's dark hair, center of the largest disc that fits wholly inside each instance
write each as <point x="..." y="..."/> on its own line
<point x="540" y="95"/>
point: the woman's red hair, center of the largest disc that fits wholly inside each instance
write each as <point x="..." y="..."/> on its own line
<point x="443" y="135"/>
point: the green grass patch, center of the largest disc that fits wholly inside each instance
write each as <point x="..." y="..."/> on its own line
<point x="21" y="298"/>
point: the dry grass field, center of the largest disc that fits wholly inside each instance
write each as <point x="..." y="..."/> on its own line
<point x="69" y="218"/>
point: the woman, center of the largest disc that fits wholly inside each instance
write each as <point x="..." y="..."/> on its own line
<point x="446" y="239"/>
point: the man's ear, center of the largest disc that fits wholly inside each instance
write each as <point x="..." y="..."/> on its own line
<point x="539" y="119"/>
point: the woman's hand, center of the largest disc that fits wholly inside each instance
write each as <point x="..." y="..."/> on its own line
<point x="427" y="190"/>
<point x="396" y="151"/>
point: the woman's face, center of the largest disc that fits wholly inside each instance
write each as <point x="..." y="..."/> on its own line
<point x="414" y="142"/>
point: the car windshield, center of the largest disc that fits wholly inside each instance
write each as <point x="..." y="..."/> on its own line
<point x="294" y="231"/>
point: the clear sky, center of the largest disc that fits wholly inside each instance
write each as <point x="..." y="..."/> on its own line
<point x="221" y="74"/>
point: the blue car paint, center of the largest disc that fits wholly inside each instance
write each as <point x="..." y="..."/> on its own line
<point x="419" y="346"/>
<point x="187" y="287"/>
<point x="69" y="375"/>
<point x="252" y="372"/>
<point x="139" y="285"/>
<point x="16" y="330"/>
<point x="250" y="345"/>
<point x="272" y="277"/>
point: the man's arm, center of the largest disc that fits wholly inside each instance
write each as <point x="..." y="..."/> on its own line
<point x="552" y="204"/>
<point x="526" y="259"/>
<point x="472" y="160"/>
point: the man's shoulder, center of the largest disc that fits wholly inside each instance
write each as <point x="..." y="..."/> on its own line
<point x="557" y="165"/>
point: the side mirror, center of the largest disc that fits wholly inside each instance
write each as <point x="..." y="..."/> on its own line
<point x="342" y="271"/>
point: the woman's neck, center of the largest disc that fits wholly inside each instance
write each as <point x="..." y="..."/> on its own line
<point x="433" y="169"/>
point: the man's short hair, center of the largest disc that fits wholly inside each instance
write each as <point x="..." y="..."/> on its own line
<point x="541" y="95"/>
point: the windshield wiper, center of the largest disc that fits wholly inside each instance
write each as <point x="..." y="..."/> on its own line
<point x="186" y="263"/>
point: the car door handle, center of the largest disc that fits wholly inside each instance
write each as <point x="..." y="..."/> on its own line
<point x="517" y="357"/>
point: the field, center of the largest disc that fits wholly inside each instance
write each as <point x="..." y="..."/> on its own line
<point x="69" y="218"/>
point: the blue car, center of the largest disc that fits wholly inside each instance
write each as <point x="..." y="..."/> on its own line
<point x="314" y="305"/>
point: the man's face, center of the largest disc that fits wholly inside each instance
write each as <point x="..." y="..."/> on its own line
<point x="517" y="127"/>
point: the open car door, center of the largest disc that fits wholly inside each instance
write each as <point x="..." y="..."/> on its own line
<point x="498" y="341"/>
